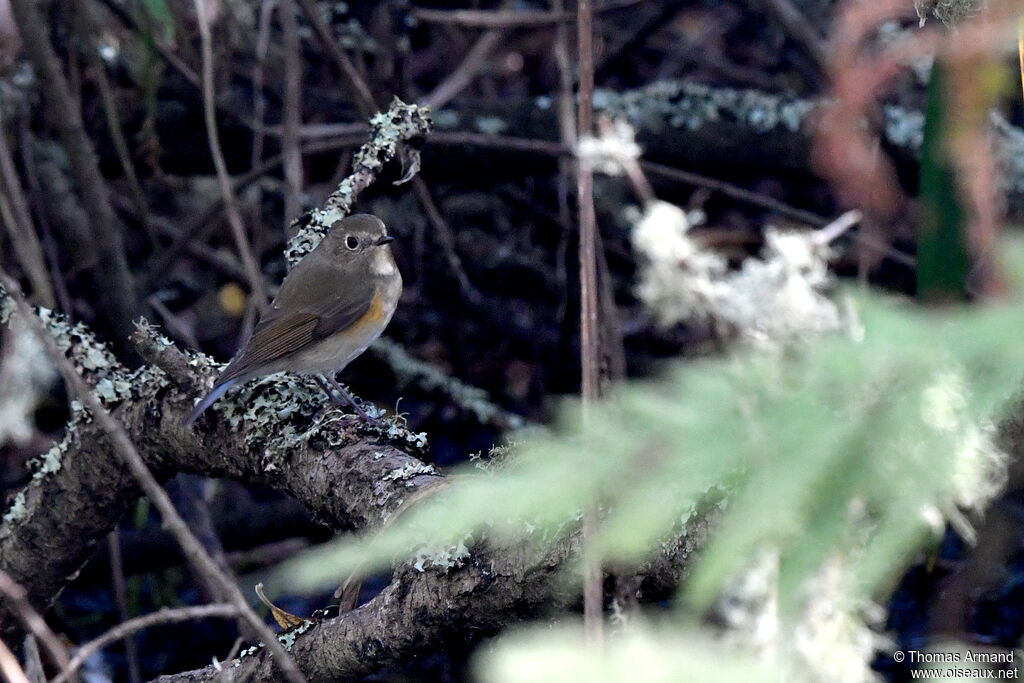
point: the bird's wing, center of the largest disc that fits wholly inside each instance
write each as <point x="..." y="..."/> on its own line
<point x="288" y="328"/>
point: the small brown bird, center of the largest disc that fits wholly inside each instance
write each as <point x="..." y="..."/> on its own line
<point x="330" y="308"/>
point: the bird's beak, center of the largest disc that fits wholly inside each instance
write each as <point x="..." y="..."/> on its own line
<point x="385" y="240"/>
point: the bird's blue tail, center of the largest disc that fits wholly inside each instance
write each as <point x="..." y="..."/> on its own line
<point x="209" y="400"/>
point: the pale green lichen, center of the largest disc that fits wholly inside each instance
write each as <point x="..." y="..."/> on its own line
<point x="687" y="105"/>
<point x="497" y="458"/>
<point x="153" y="333"/>
<point x="47" y="464"/>
<point x="691" y="106"/>
<point x="443" y="560"/>
<point x="388" y="130"/>
<point x="408" y="471"/>
<point x="904" y="127"/>
<point x="289" y="637"/>
<point x="18" y="509"/>
<point x="277" y="414"/>
<point x="490" y="125"/>
<point x="91" y="358"/>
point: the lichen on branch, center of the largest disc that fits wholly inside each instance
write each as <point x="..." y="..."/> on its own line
<point x="398" y="131"/>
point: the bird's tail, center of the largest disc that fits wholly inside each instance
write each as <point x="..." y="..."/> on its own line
<point x="208" y="400"/>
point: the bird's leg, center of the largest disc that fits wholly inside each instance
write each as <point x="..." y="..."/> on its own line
<point x="333" y="383"/>
<point x="327" y="390"/>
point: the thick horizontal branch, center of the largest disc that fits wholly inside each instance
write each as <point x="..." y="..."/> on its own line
<point x="347" y="475"/>
<point x="271" y="433"/>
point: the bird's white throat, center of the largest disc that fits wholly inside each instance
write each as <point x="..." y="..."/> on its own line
<point x="383" y="262"/>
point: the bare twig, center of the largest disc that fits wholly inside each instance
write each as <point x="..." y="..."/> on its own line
<point x="177" y="64"/>
<point x="121" y="598"/>
<point x="364" y="98"/>
<point x="89" y="31"/>
<point x="566" y="109"/>
<point x="33" y="621"/>
<point x="1020" y="49"/>
<point x="173" y="522"/>
<point x="800" y="29"/>
<point x="28" y="162"/>
<point x="9" y="667"/>
<point x="125" y="629"/>
<point x="252" y="268"/>
<point x="735" y="192"/>
<point x="259" y="100"/>
<point x="504" y="19"/>
<point x="589" y="307"/>
<point x="446" y="238"/>
<point x="465" y="72"/>
<point x="837" y="228"/>
<point x="119" y="301"/>
<point x="191" y="237"/>
<point x="16" y="219"/>
<point x="292" y="112"/>
<point x="548" y="148"/>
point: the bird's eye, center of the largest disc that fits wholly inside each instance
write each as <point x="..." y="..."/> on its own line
<point x="352" y="242"/>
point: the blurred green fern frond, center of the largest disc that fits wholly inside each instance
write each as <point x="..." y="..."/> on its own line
<point x="846" y="443"/>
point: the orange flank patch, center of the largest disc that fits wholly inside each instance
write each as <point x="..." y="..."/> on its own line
<point x="374" y="314"/>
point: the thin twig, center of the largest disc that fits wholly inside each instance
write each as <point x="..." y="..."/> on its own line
<point x="125" y="629"/>
<point x="252" y="268"/>
<point x="364" y="98"/>
<point x="1020" y="48"/>
<point x="446" y="238"/>
<point x="172" y="520"/>
<point x="800" y="29"/>
<point x="227" y="673"/>
<point x="549" y="148"/>
<point x="735" y="192"/>
<point x="34" y="668"/>
<point x="194" y="234"/>
<point x="177" y="64"/>
<point x="18" y="222"/>
<point x="505" y="19"/>
<point x="34" y="622"/>
<point x="589" y="309"/>
<point x="119" y="301"/>
<point x="459" y="79"/>
<point x="121" y="598"/>
<point x="28" y="162"/>
<point x="836" y="228"/>
<point x="89" y="30"/>
<point x="566" y="109"/>
<point x="9" y="667"/>
<point x="259" y="100"/>
<point x="292" y="114"/>
<point x="634" y="174"/>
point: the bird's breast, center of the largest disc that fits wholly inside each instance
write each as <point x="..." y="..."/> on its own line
<point x="331" y="354"/>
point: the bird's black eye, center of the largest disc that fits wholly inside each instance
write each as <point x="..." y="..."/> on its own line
<point x="352" y="242"/>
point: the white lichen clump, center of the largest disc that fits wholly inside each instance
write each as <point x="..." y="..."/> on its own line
<point x="829" y="621"/>
<point x="979" y="466"/>
<point x="777" y="299"/>
<point x="832" y="623"/>
<point x="609" y="152"/>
